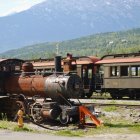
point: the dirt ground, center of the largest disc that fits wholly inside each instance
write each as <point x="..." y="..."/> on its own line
<point x="120" y="123"/>
<point x="10" y="135"/>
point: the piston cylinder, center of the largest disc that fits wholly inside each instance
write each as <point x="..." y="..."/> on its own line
<point x="51" y="112"/>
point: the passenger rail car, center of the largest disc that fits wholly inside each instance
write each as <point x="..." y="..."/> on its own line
<point x="120" y="75"/>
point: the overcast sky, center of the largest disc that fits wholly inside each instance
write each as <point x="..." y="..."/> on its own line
<point x="8" y="7"/>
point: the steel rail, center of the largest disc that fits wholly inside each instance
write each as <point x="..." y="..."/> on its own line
<point x="108" y="104"/>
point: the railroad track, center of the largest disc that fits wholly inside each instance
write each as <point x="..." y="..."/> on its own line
<point x="122" y="103"/>
<point x="110" y="98"/>
<point x="111" y="104"/>
<point x="106" y="96"/>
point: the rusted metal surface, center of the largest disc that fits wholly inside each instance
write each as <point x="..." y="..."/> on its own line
<point x="27" y="67"/>
<point x="50" y="110"/>
<point x="69" y="64"/>
<point x="49" y="86"/>
<point x="28" y="85"/>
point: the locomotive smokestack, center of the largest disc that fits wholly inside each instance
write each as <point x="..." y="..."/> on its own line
<point x="57" y="60"/>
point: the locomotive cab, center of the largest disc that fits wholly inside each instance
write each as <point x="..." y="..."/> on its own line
<point x="8" y="67"/>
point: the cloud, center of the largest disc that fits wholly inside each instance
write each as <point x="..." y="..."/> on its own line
<point x="9" y="7"/>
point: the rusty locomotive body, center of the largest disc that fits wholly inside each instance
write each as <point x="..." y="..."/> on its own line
<point x="20" y="85"/>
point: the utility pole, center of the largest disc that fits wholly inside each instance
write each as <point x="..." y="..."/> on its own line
<point x="57" y="49"/>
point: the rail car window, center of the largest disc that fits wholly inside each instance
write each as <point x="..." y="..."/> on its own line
<point x="17" y="68"/>
<point x="84" y="72"/>
<point x="124" y="70"/>
<point x="135" y="70"/>
<point x="139" y="71"/>
<point x="89" y="73"/>
<point x="114" y="71"/>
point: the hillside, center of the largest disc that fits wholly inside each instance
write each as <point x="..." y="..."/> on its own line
<point x="99" y="45"/>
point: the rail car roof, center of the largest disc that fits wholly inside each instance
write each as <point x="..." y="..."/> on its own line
<point x="6" y="61"/>
<point x="2" y="60"/>
<point x="79" y="61"/>
<point x="120" y="58"/>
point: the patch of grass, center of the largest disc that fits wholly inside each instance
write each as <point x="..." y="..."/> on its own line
<point x="3" y="125"/>
<point x="101" y="95"/>
<point x="94" y="100"/>
<point x="135" y="128"/>
<point x="70" y="133"/>
<point x="130" y="102"/>
<point x="6" y="125"/>
<point x="111" y="125"/>
<point x="113" y="102"/>
<point x="110" y="108"/>
<point x="25" y="128"/>
<point x="13" y="126"/>
<point x="106" y="129"/>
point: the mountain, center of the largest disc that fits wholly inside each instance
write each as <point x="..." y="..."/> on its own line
<point x="55" y="20"/>
<point x="98" y="44"/>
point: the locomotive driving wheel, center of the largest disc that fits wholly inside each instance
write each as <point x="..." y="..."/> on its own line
<point x="64" y="118"/>
<point x="36" y="112"/>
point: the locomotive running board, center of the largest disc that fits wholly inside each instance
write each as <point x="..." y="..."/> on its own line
<point x="83" y="111"/>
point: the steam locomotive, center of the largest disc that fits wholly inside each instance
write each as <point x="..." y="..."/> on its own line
<point x="21" y="86"/>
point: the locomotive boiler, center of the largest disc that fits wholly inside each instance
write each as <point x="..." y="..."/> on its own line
<point x="52" y="86"/>
<point x="31" y="91"/>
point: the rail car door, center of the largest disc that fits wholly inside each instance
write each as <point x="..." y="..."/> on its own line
<point x="87" y="75"/>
